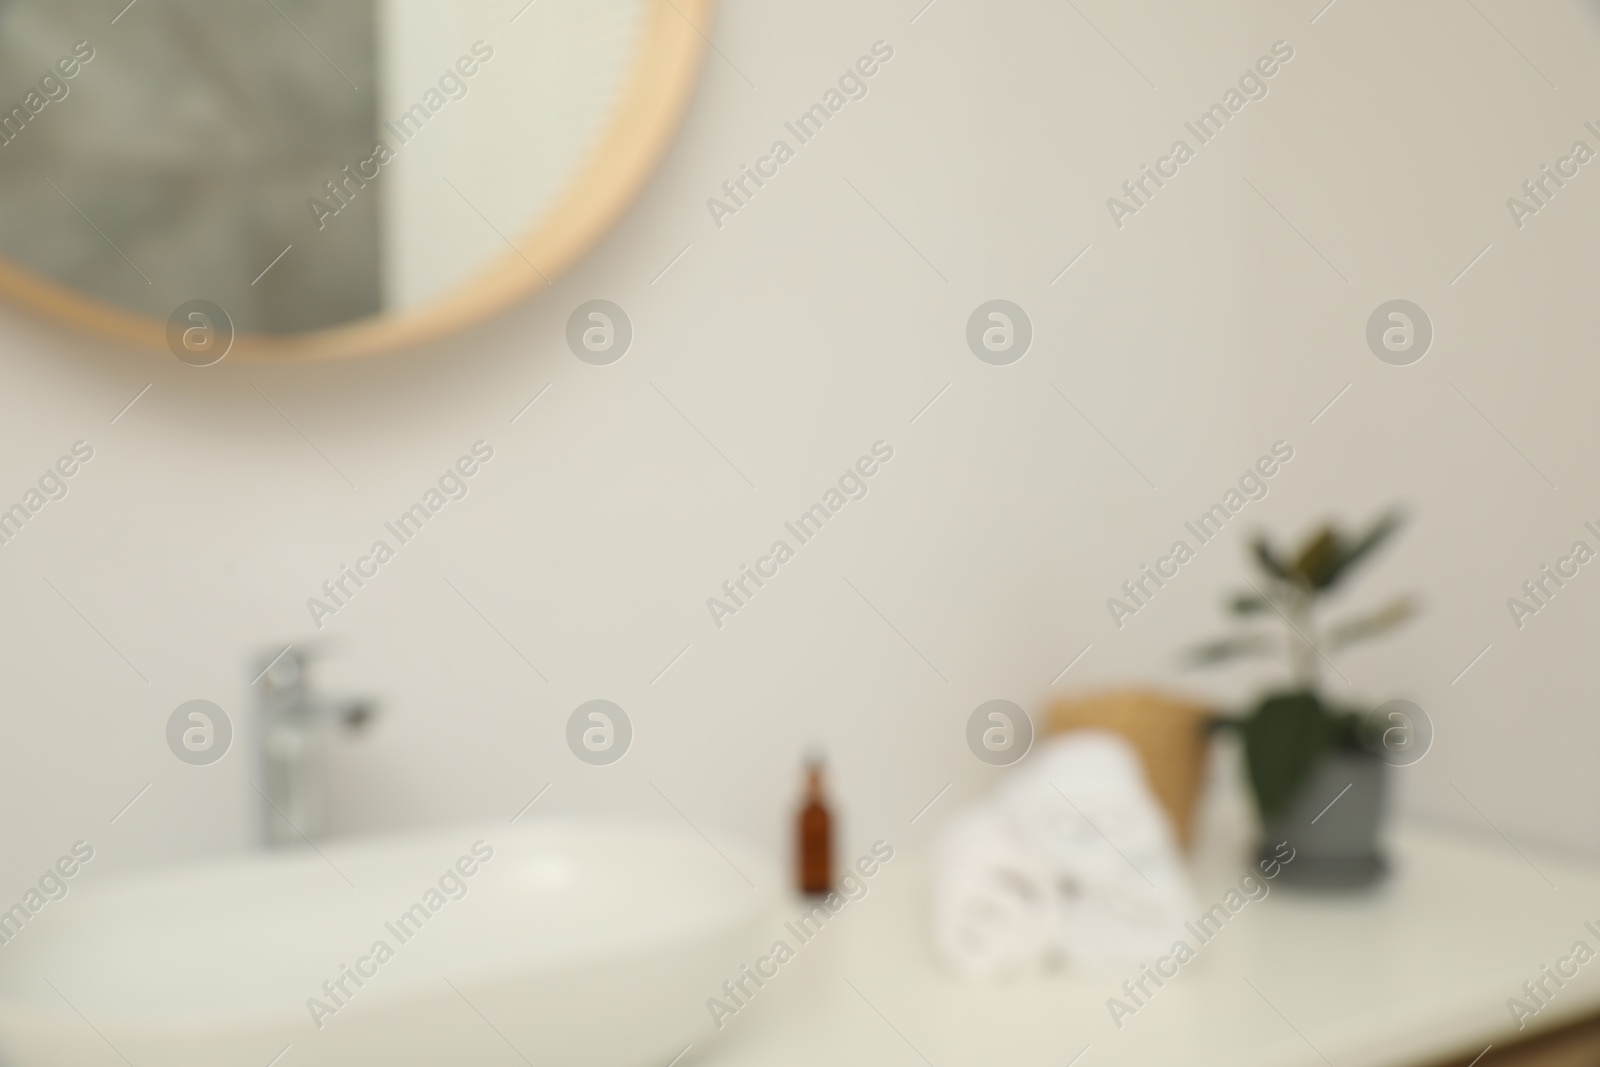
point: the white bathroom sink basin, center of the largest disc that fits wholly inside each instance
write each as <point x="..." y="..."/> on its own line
<point x="573" y="943"/>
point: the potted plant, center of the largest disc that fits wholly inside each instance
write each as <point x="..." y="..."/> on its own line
<point x="1317" y="775"/>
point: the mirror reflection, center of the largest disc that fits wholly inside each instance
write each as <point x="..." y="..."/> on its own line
<point x="303" y="165"/>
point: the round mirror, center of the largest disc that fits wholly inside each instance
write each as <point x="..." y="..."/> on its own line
<point x="295" y="179"/>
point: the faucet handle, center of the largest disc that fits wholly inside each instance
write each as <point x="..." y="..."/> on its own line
<point x="285" y="667"/>
<point x="281" y="668"/>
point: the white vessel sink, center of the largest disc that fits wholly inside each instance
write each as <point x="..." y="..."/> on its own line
<point x="575" y="943"/>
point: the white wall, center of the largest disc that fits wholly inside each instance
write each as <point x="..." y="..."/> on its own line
<point x="795" y="336"/>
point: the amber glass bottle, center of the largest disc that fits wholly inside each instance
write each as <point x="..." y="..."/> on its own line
<point x="815" y="835"/>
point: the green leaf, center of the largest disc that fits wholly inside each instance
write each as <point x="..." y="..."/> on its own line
<point x="1249" y="604"/>
<point x="1283" y="740"/>
<point x="1269" y="560"/>
<point x="1319" y="557"/>
<point x="1374" y="624"/>
<point x="1364" y="546"/>
<point x="1232" y="648"/>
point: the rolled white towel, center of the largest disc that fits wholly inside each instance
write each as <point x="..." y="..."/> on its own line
<point x="1084" y="797"/>
<point x="995" y="912"/>
<point x="1082" y="802"/>
<point x="1073" y="860"/>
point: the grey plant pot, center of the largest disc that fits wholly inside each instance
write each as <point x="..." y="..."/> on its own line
<point x="1335" y="847"/>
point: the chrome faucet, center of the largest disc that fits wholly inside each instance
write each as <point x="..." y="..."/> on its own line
<point x="295" y="730"/>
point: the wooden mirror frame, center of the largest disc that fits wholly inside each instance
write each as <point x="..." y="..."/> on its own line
<point x="642" y="125"/>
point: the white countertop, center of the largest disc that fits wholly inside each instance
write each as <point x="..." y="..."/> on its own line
<point x="1414" y="971"/>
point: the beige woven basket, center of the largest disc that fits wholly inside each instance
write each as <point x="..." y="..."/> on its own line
<point x="1168" y="732"/>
